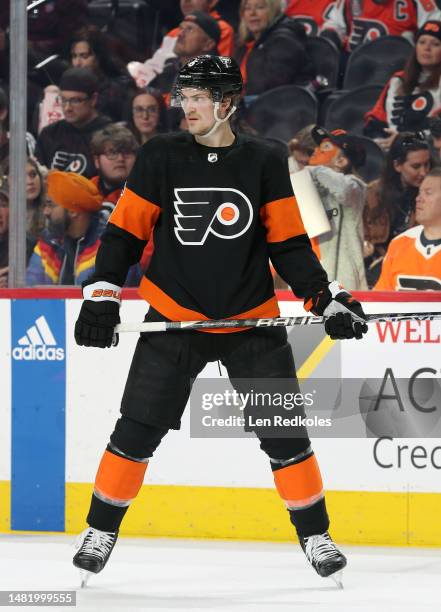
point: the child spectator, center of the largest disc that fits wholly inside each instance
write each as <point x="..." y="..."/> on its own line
<point x="333" y="168"/>
<point x="301" y="147"/>
<point x="411" y="95"/>
<point x="65" y="144"/>
<point x="272" y="47"/>
<point x="413" y="259"/>
<point x="114" y="150"/>
<point x="390" y="200"/>
<point x="146" y="114"/>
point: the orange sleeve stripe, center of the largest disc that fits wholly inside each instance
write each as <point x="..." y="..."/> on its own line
<point x="167" y="306"/>
<point x="135" y="214"/>
<point x="299" y="483"/>
<point x="282" y="219"/>
<point x="118" y="478"/>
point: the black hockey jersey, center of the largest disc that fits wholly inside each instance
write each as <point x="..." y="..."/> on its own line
<point x="217" y="215"/>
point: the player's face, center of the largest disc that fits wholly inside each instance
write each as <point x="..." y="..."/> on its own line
<point x="145" y="111"/>
<point x="82" y="56"/>
<point x="428" y="51"/>
<point x="428" y="202"/>
<point x="414" y="169"/>
<point x="198" y="108"/>
<point x="255" y="14"/>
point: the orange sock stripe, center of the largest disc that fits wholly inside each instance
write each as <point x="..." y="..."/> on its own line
<point x="118" y="478"/>
<point x="300" y="484"/>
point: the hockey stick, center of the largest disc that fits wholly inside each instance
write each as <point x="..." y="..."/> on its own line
<point x="276" y="322"/>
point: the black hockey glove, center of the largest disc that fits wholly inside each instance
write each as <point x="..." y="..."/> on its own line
<point x="346" y="317"/>
<point x="99" y="315"/>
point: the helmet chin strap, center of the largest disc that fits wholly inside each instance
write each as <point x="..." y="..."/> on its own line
<point x="217" y="120"/>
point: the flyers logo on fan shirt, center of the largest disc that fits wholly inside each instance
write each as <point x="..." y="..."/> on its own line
<point x="224" y="213"/>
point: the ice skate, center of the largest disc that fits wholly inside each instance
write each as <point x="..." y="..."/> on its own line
<point x="324" y="557"/>
<point x="94" y="548"/>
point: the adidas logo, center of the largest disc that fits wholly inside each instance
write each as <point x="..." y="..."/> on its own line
<point x="38" y="344"/>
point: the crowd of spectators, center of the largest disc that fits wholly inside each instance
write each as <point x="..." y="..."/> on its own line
<point x="94" y="98"/>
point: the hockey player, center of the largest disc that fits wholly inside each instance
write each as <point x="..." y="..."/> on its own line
<point x="221" y="204"/>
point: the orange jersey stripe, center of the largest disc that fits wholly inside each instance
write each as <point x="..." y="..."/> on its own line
<point x="299" y="484"/>
<point x="135" y="214"/>
<point x="282" y="219"/>
<point x="118" y="478"/>
<point x="167" y="306"/>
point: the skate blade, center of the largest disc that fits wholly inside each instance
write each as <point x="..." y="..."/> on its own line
<point x="85" y="576"/>
<point x="337" y="577"/>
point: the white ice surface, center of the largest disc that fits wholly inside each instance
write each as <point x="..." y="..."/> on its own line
<point x="193" y="575"/>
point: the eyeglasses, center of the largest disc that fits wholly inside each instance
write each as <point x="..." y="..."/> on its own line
<point x="73" y="101"/>
<point x="145" y="110"/>
<point x="112" y="154"/>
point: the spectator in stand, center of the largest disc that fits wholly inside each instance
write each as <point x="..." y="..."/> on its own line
<point x="65" y="252"/>
<point x="4" y="132"/>
<point x="271" y="47"/>
<point x="145" y="73"/>
<point x="199" y="34"/>
<point x="114" y="151"/>
<point x="35" y="199"/>
<point x="411" y="96"/>
<point x="435" y="134"/>
<point x="89" y="48"/>
<point x="413" y="258"/>
<point x="4" y="232"/>
<point x="65" y="144"/>
<point x="146" y="114"/>
<point x="311" y="14"/>
<point x="301" y="148"/>
<point x="333" y="168"/>
<point x="390" y="200"/>
<point x="350" y="23"/>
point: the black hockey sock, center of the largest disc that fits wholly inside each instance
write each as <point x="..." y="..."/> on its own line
<point x="104" y="516"/>
<point x="310" y="521"/>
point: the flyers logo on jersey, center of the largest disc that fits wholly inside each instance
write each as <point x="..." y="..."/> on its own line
<point x="224" y="213"/>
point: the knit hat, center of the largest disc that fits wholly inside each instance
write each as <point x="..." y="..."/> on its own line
<point x="206" y="23"/>
<point x="79" y="79"/>
<point x="430" y="28"/>
<point x="73" y="191"/>
<point x="351" y="146"/>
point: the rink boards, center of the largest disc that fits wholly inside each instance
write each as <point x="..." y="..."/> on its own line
<point x="59" y="403"/>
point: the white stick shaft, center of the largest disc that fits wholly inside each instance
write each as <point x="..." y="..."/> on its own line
<point x="274" y="322"/>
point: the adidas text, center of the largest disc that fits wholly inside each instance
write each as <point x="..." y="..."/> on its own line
<point x="38" y="353"/>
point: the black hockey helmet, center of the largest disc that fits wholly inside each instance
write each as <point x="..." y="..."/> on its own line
<point x="218" y="73"/>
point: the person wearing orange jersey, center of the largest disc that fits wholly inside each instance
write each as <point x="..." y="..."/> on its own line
<point x="312" y="13"/>
<point x="413" y="259"/>
<point x="354" y="22"/>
